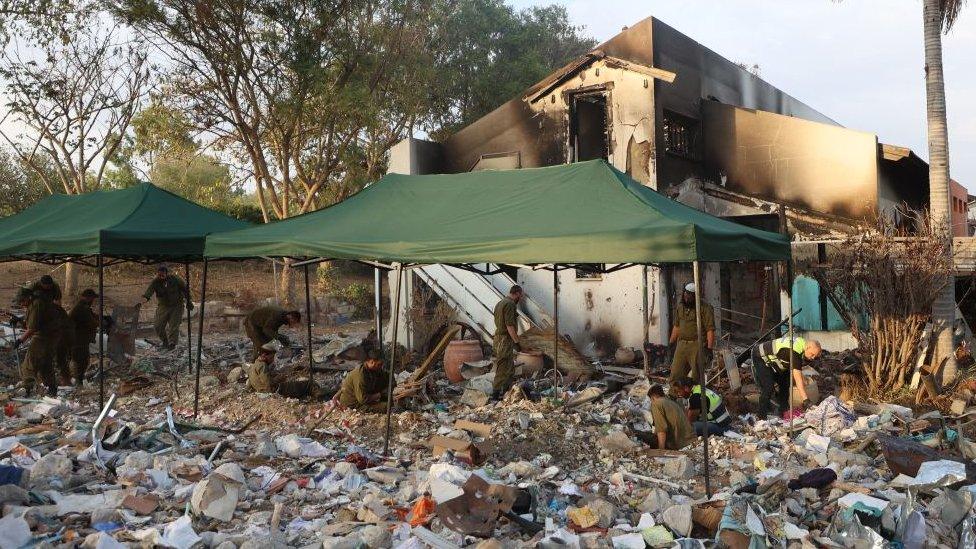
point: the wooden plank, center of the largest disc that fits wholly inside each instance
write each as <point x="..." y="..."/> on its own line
<point x="436" y="352"/>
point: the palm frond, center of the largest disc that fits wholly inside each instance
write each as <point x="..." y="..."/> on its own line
<point x="950" y="12"/>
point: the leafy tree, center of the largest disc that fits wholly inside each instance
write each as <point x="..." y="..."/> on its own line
<point x="71" y="102"/>
<point x="20" y="187"/>
<point x="487" y="53"/>
<point x="308" y="94"/>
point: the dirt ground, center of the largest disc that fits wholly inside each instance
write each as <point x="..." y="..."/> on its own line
<point x="240" y="283"/>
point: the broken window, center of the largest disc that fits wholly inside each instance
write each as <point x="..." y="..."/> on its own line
<point x="680" y="135"/>
<point x="591" y="274"/>
<point x="588" y="124"/>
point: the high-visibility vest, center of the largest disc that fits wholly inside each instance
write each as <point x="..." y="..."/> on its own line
<point x="717" y="412"/>
<point x="799" y="346"/>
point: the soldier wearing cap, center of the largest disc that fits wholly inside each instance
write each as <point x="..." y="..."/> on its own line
<point x="47" y="288"/>
<point x="684" y="334"/>
<point x="85" y="323"/>
<point x="43" y="330"/>
<point x="263" y="377"/>
<point x="170" y="291"/>
<point x="365" y="388"/>
<point x="262" y="324"/>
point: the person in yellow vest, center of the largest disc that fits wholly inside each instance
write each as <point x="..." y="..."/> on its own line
<point x="771" y="368"/>
<point x="684" y="335"/>
<point x="718" y="420"/>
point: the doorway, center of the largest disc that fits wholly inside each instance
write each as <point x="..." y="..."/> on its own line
<point x="589" y="124"/>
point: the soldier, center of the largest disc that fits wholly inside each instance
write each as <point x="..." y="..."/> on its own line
<point x="261" y="325"/>
<point x="62" y="354"/>
<point x="262" y="377"/>
<point x="47" y="288"/>
<point x="506" y="341"/>
<point x="85" y="323"/>
<point x="671" y="425"/>
<point x="365" y="388"/>
<point x="43" y="330"/>
<point x="684" y="333"/>
<point x="170" y="291"/>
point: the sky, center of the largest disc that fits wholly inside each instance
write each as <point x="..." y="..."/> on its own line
<point x="860" y="62"/>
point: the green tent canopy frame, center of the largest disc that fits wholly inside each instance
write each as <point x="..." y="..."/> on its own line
<point x="584" y="215"/>
<point x="143" y="223"/>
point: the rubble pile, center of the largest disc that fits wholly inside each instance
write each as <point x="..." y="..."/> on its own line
<point x="538" y="469"/>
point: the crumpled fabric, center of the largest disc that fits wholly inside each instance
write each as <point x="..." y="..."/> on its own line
<point x="830" y="416"/>
<point x="815" y="478"/>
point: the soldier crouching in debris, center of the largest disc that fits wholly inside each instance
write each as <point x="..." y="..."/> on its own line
<point x="671" y="425"/>
<point x="43" y="330"/>
<point x="366" y="387"/>
<point x="262" y="324"/>
<point x="262" y="377"/>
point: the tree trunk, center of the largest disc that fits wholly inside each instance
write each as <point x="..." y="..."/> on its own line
<point x="70" y="290"/>
<point x="944" y="308"/>
<point x="286" y="284"/>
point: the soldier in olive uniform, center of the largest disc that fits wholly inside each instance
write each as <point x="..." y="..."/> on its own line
<point x="47" y="288"/>
<point x="170" y="291"/>
<point x="262" y="324"/>
<point x="685" y="334"/>
<point x="365" y="388"/>
<point x="43" y="330"/>
<point x="85" y="323"/>
<point x="263" y="377"/>
<point x="62" y="354"/>
<point x="506" y="341"/>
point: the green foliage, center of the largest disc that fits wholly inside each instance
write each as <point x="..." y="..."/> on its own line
<point x="361" y="296"/>
<point x="488" y="53"/>
<point x="20" y="186"/>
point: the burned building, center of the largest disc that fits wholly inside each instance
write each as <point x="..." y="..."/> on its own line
<point x="689" y="123"/>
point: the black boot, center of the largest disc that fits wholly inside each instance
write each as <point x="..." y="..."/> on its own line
<point x="52" y="391"/>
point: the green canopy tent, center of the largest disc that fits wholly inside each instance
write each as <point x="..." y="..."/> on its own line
<point x="576" y="215"/>
<point x="143" y="223"/>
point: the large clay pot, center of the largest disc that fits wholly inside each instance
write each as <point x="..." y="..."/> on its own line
<point x="458" y="352"/>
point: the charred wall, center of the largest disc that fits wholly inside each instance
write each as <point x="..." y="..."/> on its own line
<point x="814" y="166"/>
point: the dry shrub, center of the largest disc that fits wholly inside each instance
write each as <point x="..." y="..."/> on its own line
<point x="890" y="278"/>
<point x="428" y="315"/>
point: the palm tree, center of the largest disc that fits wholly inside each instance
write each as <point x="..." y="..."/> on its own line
<point x="938" y="17"/>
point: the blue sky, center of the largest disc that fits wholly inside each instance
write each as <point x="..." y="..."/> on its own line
<point x="858" y="61"/>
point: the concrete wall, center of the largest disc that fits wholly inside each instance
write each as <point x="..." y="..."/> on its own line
<point x="810" y="165"/>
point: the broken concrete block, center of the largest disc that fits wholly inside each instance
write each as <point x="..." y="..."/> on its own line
<point x="680" y="468"/>
<point x="618" y="442"/>
<point x="656" y="501"/>
<point x="217" y="495"/>
<point x="678" y="519"/>
<point x="606" y="512"/>
<point x="50" y="466"/>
